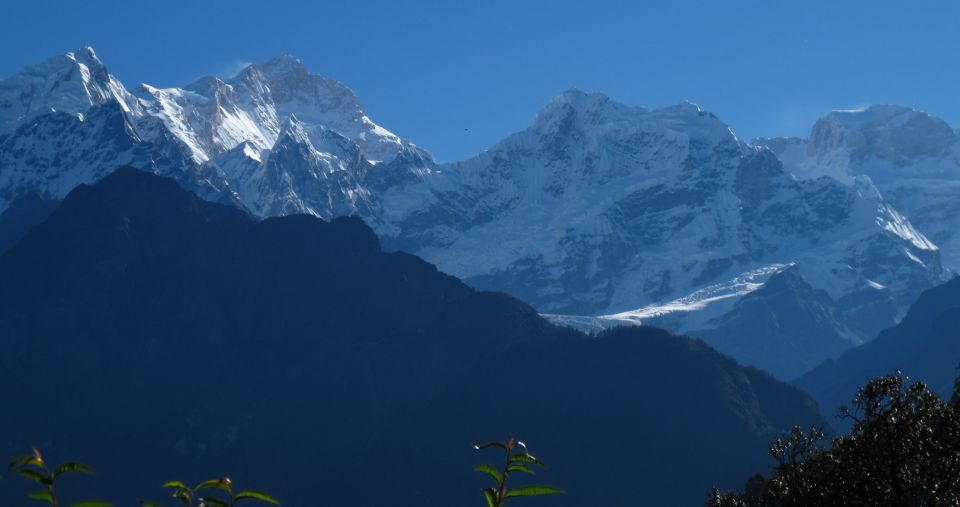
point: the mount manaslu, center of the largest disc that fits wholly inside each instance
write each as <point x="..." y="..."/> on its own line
<point x="597" y="213"/>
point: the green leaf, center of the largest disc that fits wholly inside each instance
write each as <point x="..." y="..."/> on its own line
<point x="525" y="458"/>
<point x="489" y="470"/>
<point x="91" y="503"/>
<point x="211" y="501"/>
<point x="144" y="503"/>
<point x="490" y="444"/>
<point x="22" y="461"/>
<point x="222" y="484"/>
<point x="35" y="476"/>
<point x="255" y="495"/>
<point x="533" y="491"/>
<point x="491" y="495"/>
<point x="175" y="484"/>
<point x="72" y="467"/>
<point x="43" y="496"/>
<point x="520" y="468"/>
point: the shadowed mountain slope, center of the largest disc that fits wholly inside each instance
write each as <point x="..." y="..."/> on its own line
<point x="924" y="346"/>
<point x="159" y="336"/>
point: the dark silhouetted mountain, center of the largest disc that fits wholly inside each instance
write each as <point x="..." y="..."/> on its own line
<point x="160" y="336"/>
<point x="925" y="346"/>
<point x="785" y="327"/>
<point x="24" y="212"/>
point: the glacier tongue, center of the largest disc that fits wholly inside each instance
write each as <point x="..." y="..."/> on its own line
<point x="702" y="298"/>
<point x="692" y="311"/>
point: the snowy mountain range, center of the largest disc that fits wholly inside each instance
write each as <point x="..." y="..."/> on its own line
<point x="598" y="208"/>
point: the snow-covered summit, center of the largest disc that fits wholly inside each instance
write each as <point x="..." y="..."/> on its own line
<point x="221" y="125"/>
<point x="287" y="85"/>
<point x="69" y="83"/>
<point x="596" y="111"/>
<point x="911" y="156"/>
<point x="575" y="105"/>
<point x="895" y="134"/>
<point x="213" y="115"/>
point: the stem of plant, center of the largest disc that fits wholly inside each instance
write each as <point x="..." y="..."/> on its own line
<point x="503" y="479"/>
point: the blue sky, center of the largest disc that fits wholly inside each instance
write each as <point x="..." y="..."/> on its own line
<point x="428" y="70"/>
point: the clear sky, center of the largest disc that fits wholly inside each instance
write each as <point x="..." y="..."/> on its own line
<point x="428" y="70"/>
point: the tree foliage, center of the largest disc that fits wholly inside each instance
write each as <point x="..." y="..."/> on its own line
<point x="903" y="449"/>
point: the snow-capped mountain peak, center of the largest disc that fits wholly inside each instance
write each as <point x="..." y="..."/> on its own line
<point x="575" y="116"/>
<point x="286" y="68"/>
<point x="895" y="134"/>
<point x="573" y="104"/>
<point x="70" y="83"/>
<point x="583" y="110"/>
<point x="287" y="86"/>
<point x="230" y="135"/>
<point x="911" y="156"/>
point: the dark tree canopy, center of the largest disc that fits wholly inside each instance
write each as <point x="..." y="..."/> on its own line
<point x="903" y="449"/>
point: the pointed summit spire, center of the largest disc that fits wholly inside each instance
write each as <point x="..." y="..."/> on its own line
<point x="295" y="131"/>
<point x="85" y="55"/>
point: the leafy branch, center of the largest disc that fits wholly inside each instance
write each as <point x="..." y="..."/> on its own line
<point x="212" y="493"/>
<point x="34" y="467"/>
<point x="517" y="459"/>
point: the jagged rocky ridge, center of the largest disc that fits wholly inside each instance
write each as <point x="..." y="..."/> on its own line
<point x="67" y="121"/>
<point x="596" y="208"/>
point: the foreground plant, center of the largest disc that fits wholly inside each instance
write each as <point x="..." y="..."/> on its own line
<point x="516" y="459"/>
<point x="216" y="493"/>
<point x="35" y="468"/>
